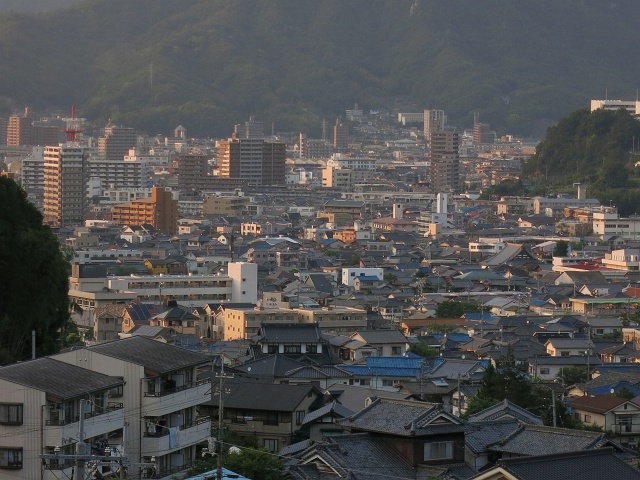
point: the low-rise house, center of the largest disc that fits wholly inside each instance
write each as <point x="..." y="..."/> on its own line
<point x="565" y="347"/>
<point x="379" y="343"/>
<point x="590" y="465"/>
<point x="548" y="368"/>
<point x="385" y="373"/>
<point x="322" y="422"/>
<point x="614" y="414"/>
<point x="271" y="417"/>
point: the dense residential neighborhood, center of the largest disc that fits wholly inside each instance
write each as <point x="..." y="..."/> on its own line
<point x="357" y="309"/>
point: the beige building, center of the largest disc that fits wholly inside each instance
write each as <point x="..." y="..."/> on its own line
<point x="65" y="185"/>
<point x="336" y="319"/>
<point x="232" y="205"/>
<point x="244" y="322"/>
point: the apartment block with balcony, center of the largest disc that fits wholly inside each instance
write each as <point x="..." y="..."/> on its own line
<point x="40" y="413"/>
<point x="161" y="396"/>
<point x="619" y="416"/>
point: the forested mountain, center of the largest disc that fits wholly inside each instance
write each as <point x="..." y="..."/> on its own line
<point x="208" y="64"/>
<point x="599" y="149"/>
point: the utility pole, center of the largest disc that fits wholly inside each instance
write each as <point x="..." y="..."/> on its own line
<point x="221" y="392"/>
<point x="553" y="402"/>
<point x="78" y="472"/>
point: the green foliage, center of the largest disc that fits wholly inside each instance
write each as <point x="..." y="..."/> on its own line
<point x="453" y="309"/>
<point x="424" y="350"/>
<point x="257" y="464"/>
<point x="572" y="375"/>
<point x="390" y="277"/>
<point x="561" y="249"/>
<point x="34" y="279"/>
<point x="507" y="187"/>
<point x="441" y="328"/>
<point x="593" y="148"/>
<point x="624" y="392"/>
<point x="285" y="61"/>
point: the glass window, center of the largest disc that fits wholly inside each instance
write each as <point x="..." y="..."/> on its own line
<point x="271" y="444"/>
<point x="300" y="416"/>
<point x="438" y="451"/>
<point x="11" y="458"/>
<point x="11" y="414"/>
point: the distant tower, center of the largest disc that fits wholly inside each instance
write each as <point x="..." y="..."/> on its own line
<point x="116" y="142"/>
<point x="445" y="161"/>
<point x="180" y="132"/>
<point x="434" y="120"/>
<point x="340" y="136"/>
<point x="250" y="130"/>
<point x="65" y="178"/>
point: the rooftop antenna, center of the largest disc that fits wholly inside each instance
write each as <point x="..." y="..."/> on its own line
<point x="73" y="129"/>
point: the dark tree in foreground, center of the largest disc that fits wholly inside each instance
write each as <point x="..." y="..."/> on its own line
<point x="33" y="279"/>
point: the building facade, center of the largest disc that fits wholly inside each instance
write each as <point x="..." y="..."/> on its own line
<point x="445" y="161"/>
<point x="160" y="211"/>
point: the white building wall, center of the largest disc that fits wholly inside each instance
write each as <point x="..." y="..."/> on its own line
<point x="350" y="274"/>
<point x="244" y="282"/>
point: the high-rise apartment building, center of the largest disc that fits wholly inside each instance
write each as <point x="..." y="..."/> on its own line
<point x="32" y="176"/>
<point x="65" y="185"/>
<point x="314" y="148"/>
<point x="254" y="160"/>
<point x="19" y="129"/>
<point x="434" y="120"/>
<point x="445" y="161"/>
<point x="159" y="211"/>
<point x="116" y="142"/>
<point x="340" y="136"/>
<point x="252" y="130"/>
<point x="3" y="131"/>
<point x="193" y="171"/>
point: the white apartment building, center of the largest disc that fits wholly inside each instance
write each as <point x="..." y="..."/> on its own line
<point x="631" y="106"/>
<point x="627" y="259"/>
<point x="160" y="397"/>
<point x="611" y="224"/>
<point x="356" y="163"/>
<point x="119" y="173"/>
<point x="40" y="413"/>
<point x="349" y="274"/>
<point x="153" y="158"/>
<point x="240" y="285"/>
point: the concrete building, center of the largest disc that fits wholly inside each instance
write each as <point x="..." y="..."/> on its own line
<point x="19" y="129"/>
<point x="434" y="120"/>
<point x="116" y="142"/>
<point x="627" y="259"/>
<point x="340" y="136"/>
<point x="118" y="174"/>
<point x="160" y="211"/>
<point x="32" y="176"/>
<point x="606" y="224"/>
<point x="40" y="408"/>
<point x="349" y="274"/>
<point x="313" y="148"/>
<point x="445" y="161"/>
<point x="243" y="322"/>
<point x="254" y="160"/>
<point x="161" y="393"/>
<point x="225" y="204"/>
<point x="65" y="185"/>
<point x="192" y="171"/>
<point x="251" y="130"/>
<point x="631" y="106"/>
<point x="334" y="319"/>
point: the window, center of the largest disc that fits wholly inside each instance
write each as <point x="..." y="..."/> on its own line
<point x="293" y="349"/>
<point x="11" y="458"/>
<point x="395" y="350"/>
<point x="438" y="451"/>
<point x="300" y="416"/>
<point x="11" y="414"/>
<point x="270" y="418"/>
<point x="587" y="419"/>
<point x="544" y="371"/>
<point x="564" y="353"/>
<point x="271" y="444"/>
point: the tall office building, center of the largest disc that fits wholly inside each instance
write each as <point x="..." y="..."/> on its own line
<point x="3" y="131"/>
<point x="116" y="142"/>
<point x="340" y="136"/>
<point x="253" y="160"/>
<point x="445" y="161"/>
<point x="434" y="121"/>
<point x="19" y="129"/>
<point x="65" y="185"/>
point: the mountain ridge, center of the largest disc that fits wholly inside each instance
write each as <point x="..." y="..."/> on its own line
<point x="154" y="64"/>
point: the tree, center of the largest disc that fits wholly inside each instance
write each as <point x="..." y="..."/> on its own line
<point x="34" y="281"/>
<point x="452" y="309"/>
<point x="255" y="463"/>
<point x="561" y="249"/>
<point x="572" y="375"/>
<point x="390" y="277"/>
<point x="424" y="350"/>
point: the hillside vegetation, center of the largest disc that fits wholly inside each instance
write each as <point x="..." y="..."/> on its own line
<point x="597" y="148"/>
<point x="208" y="64"/>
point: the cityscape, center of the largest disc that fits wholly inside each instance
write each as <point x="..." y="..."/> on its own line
<point x="385" y="292"/>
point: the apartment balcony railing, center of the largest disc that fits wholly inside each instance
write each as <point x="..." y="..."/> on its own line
<point x="61" y="422"/>
<point x="181" y="388"/>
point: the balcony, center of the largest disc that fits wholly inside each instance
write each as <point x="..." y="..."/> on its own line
<point x="157" y="404"/>
<point x="161" y="443"/>
<point x="631" y="428"/>
<point x="96" y="423"/>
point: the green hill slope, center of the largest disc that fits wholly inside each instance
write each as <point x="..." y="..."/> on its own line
<point x="208" y="64"/>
